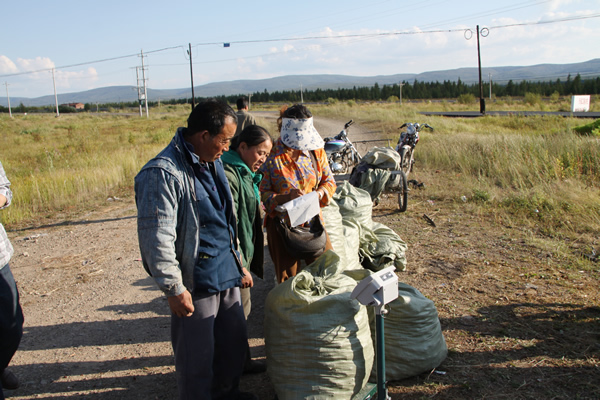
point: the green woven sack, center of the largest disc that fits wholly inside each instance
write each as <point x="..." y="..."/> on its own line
<point x="317" y="339"/>
<point x="414" y="342"/>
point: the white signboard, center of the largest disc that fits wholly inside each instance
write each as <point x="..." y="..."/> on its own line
<point x="580" y="103"/>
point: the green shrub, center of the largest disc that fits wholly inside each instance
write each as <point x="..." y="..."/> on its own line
<point x="467" y="98"/>
<point x="532" y="99"/>
<point x="480" y="196"/>
<point x="593" y="128"/>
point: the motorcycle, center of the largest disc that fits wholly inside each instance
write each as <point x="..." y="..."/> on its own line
<point x="406" y="144"/>
<point x="341" y="153"/>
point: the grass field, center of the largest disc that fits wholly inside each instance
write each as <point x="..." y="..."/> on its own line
<point x="532" y="169"/>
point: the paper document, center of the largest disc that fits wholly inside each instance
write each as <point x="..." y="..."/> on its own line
<point x="303" y="208"/>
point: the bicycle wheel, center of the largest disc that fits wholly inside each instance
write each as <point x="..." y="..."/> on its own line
<point x="402" y="191"/>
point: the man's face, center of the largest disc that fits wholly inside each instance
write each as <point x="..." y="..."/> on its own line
<point x="210" y="148"/>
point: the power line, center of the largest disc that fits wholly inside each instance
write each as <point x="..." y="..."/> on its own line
<point x="88" y="62"/>
<point x="566" y="19"/>
<point x="364" y="36"/>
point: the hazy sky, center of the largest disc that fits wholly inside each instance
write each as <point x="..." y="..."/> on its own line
<point x="97" y="44"/>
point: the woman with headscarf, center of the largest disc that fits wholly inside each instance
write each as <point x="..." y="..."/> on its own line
<point x="289" y="173"/>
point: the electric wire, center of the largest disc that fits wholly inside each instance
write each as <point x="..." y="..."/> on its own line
<point x="357" y="37"/>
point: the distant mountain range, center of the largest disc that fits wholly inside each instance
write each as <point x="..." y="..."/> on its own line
<point x="114" y="94"/>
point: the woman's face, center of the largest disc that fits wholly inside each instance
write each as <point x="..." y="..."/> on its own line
<point x="255" y="156"/>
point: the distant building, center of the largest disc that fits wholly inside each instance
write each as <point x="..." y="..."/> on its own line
<point x="77" y="106"/>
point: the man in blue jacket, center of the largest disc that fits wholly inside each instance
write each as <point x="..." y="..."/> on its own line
<point x="188" y="242"/>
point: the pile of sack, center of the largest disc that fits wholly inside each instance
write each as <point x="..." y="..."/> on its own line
<point x="319" y="341"/>
<point x="373" y="174"/>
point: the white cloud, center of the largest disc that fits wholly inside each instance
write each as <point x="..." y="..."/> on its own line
<point x="7" y="66"/>
<point x="76" y="80"/>
<point x="34" y="64"/>
<point x="556" y="4"/>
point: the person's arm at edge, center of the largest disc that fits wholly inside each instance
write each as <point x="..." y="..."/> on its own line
<point x="5" y="192"/>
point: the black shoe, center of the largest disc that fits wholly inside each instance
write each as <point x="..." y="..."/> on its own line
<point x="255" y="367"/>
<point x="9" y="380"/>
<point x="247" y="396"/>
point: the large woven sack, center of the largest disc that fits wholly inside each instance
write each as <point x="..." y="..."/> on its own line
<point x="383" y="157"/>
<point x="317" y="338"/>
<point x="414" y="342"/>
<point x="335" y="230"/>
<point x="382" y="248"/>
<point x="354" y="203"/>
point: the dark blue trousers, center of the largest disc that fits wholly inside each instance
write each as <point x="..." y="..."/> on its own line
<point x="11" y="319"/>
<point x="210" y="346"/>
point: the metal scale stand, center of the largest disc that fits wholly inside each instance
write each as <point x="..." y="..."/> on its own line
<point x="376" y="291"/>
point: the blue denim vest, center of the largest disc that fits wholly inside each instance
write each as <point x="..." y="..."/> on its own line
<point x="217" y="230"/>
<point x="185" y="241"/>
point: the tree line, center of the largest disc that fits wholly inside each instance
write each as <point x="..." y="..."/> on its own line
<point x="410" y="91"/>
<point x="426" y="90"/>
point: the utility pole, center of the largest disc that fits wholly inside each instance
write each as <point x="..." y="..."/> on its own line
<point x="55" y="96"/>
<point x="400" y="85"/>
<point x="192" y="76"/>
<point x="8" y="98"/>
<point x="490" y="86"/>
<point x="481" y="99"/>
<point x="139" y="89"/>
<point x="301" y="96"/>
<point x="249" y="100"/>
<point x="144" y="81"/>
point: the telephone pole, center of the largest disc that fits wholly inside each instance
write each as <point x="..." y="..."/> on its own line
<point x="55" y="96"/>
<point x="144" y="82"/>
<point x="192" y="76"/>
<point x="400" y="85"/>
<point x="481" y="100"/>
<point x="8" y="98"/>
<point x="139" y="89"/>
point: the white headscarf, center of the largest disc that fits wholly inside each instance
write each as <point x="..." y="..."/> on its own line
<point x="300" y="134"/>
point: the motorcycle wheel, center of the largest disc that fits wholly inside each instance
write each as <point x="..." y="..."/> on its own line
<point x="402" y="192"/>
<point x="348" y="161"/>
<point x="344" y="163"/>
<point x="406" y="163"/>
<point x="355" y="157"/>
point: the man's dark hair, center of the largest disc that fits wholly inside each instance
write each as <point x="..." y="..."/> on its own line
<point x="211" y="116"/>
<point x="242" y="103"/>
